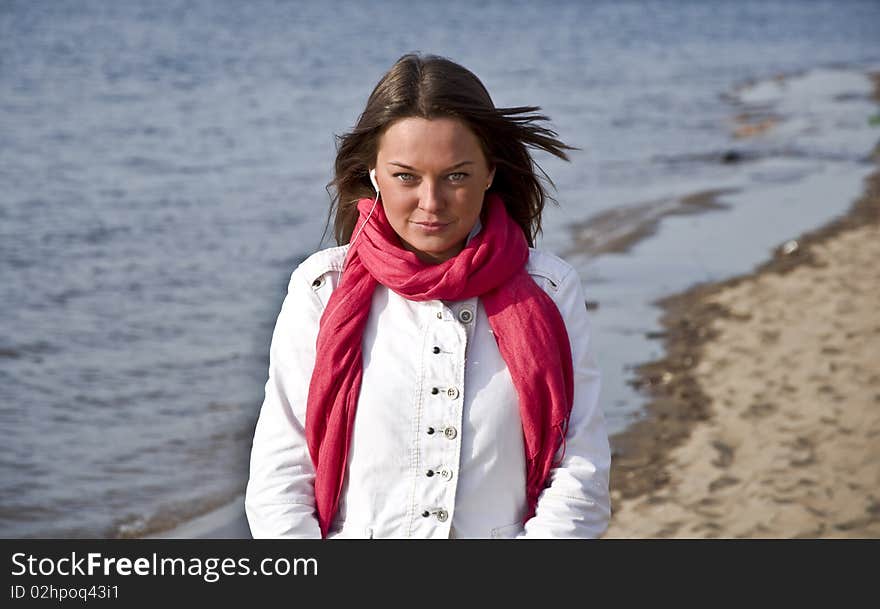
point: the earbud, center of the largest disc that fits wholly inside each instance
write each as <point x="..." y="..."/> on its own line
<point x="373" y="180"/>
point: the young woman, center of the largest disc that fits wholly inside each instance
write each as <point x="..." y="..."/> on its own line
<point x="433" y="376"/>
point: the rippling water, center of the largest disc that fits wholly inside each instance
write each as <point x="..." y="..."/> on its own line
<point x="162" y="170"/>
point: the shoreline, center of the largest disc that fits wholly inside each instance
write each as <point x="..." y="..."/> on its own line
<point x="642" y="467"/>
<point x="677" y="403"/>
<point x="689" y="467"/>
<point x="225" y="522"/>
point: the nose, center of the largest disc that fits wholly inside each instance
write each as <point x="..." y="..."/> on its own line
<point x="431" y="197"/>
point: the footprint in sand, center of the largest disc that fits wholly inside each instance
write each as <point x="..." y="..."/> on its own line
<point x="725" y="454"/>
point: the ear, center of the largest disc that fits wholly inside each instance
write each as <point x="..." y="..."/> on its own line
<point x="491" y="178"/>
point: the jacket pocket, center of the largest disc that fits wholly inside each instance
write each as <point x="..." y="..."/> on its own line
<point x="508" y="531"/>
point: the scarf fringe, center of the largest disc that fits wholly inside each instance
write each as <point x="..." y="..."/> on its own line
<point x="538" y="469"/>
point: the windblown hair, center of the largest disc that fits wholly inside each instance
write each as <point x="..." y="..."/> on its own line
<point x="429" y="86"/>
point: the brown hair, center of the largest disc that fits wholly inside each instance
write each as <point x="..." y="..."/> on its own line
<point x="428" y="87"/>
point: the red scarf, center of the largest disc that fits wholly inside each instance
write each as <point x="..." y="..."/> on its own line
<point x="528" y="328"/>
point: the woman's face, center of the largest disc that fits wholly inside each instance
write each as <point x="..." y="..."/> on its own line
<point x="432" y="175"/>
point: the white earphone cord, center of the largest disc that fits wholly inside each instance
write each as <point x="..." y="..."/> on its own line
<point x="363" y="224"/>
<point x="357" y="234"/>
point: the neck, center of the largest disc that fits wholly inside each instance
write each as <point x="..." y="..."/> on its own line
<point x="429" y="258"/>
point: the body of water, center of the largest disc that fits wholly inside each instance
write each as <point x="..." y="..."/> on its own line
<point x="162" y="171"/>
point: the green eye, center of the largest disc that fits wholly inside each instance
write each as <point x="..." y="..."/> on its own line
<point x="457" y="176"/>
<point x="404" y="177"/>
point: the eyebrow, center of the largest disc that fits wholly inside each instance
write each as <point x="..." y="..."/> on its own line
<point x="456" y="166"/>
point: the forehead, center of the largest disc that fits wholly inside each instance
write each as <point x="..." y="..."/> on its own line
<point x="437" y="140"/>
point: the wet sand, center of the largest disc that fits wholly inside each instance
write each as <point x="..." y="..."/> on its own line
<point x="764" y="418"/>
<point x="617" y="230"/>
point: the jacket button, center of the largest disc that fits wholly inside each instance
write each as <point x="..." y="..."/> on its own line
<point x="446" y="474"/>
<point x="453" y="393"/>
<point x="436" y="350"/>
<point x="450" y="433"/>
<point x="465" y="316"/>
<point x="439" y="314"/>
<point x="442" y="515"/>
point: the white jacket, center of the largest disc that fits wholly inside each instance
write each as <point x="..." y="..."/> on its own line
<point x="437" y="447"/>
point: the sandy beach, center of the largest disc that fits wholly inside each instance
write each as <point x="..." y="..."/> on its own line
<point x="764" y="418"/>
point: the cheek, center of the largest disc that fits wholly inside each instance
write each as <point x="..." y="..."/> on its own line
<point x="397" y="209"/>
<point x="471" y="202"/>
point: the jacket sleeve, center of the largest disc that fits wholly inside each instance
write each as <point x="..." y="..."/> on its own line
<point x="576" y="502"/>
<point x="280" y="500"/>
